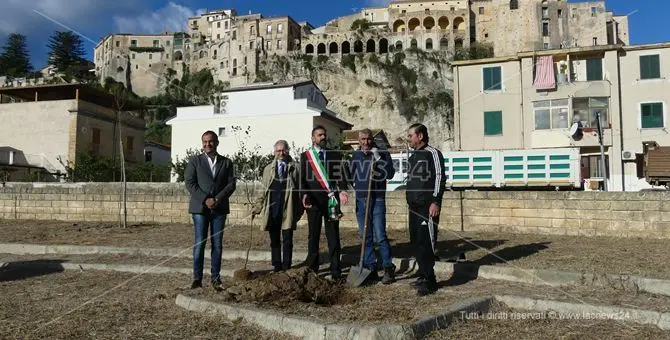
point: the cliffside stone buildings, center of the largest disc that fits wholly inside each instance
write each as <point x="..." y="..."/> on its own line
<point x="232" y="45"/>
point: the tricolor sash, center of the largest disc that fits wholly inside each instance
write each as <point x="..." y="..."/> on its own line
<point x="321" y="174"/>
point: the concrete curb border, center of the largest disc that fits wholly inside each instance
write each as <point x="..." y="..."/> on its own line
<point x="504" y="273"/>
<point x="65" y="249"/>
<point x="566" y="310"/>
<point x="313" y="329"/>
<point x="124" y="268"/>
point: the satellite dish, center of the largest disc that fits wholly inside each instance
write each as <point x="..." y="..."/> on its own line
<point x="576" y="131"/>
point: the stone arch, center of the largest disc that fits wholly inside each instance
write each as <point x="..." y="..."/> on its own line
<point x="399" y="26"/>
<point x="309" y="49"/>
<point x="346" y="47"/>
<point x="398" y="46"/>
<point x="443" y="23"/>
<point x="201" y="54"/>
<point x="459" y="24"/>
<point x="429" y="44"/>
<point x="444" y="43"/>
<point x="413" y="24"/>
<point x="321" y="49"/>
<point x="428" y="23"/>
<point x="458" y="43"/>
<point x="370" y="46"/>
<point x="383" y="45"/>
<point x="413" y="44"/>
<point x="333" y="48"/>
<point x="358" y="46"/>
<point x="178" y="55"/>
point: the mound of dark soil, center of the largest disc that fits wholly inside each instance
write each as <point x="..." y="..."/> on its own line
<point x="284" y="287"/>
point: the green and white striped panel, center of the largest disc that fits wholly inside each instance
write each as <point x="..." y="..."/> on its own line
<point x="469" y="168"/>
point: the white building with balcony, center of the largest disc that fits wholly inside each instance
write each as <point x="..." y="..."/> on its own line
<point x="253" y="118"/>
<point x="532" y="100"/>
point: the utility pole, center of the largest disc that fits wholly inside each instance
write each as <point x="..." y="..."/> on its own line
<point x="603" y="166"/>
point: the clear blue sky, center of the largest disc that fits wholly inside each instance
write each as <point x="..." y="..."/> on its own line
<point x="95" y="18"/>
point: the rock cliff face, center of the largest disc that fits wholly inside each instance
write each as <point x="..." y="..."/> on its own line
<point x="388" y="91"/>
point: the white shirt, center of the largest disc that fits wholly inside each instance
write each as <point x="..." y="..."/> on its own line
<point x="212" y="164"/>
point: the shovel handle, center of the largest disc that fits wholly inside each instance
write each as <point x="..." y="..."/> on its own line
<point x="367" y="210"/>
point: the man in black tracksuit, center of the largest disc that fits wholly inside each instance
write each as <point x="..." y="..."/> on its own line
<point x="425" y="187"/>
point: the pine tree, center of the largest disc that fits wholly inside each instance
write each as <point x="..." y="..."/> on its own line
<point x="15" y="59"/>
<point x="66" y="52"/>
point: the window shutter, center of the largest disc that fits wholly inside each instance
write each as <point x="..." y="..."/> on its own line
<point x="497" y="80"/>
<point x="652" y="115"/>
<point x="493" y="123"/>
<point x="594" y="69"/>
<point x="650" y="67"/>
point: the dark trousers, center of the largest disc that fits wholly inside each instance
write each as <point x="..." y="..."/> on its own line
<point x="422" y="231"/>
<point x="282" y="252"/>
<point x="314" y="219"/>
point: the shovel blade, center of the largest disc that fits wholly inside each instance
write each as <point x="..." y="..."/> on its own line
<point x="357" y="276"/>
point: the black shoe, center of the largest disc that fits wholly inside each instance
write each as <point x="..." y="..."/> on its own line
<point x="196" y="284"/>
<point x="389" y="275"/>
<point x="373" y="278"/>
<point x="217" y="284"/>
<point x="426" y="288"/>
<point x="277" y="269"/>
<point x="338" y="279"/>
<point x="419" y="281"/>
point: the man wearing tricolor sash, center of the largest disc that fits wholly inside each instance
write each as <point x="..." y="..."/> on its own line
<point x="323" y="179"/>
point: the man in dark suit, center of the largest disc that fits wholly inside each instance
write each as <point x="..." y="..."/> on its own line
<point x="322" y="177"/>
<point x="210" y="179"/>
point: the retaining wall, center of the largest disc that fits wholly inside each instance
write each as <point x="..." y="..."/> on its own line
<point x="561" y="213"/>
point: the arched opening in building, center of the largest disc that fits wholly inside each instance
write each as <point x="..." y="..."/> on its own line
<point x="399" y="26"/>
<point x="443" y="23"/>
<point x="391" y="48"/>
<point x="444" y="43"/>
<point x="309" y="49"/>
<point x="459" y="24"/>
<point x="429" y="44"/>
<point x="398" y="46"/>
<point x="178" y="55"/>
<point x="428" y="23"/>
<point x="358" y="46"/>
<point x="383" y="46"/>
<point x="413" y="24"/>
<point x="346" y="47"/>
<point x="202" y="54"/>
<point x="333" y="48"/>
<point x="214" y="55"/>
<point x="321" y="49"/>
<point x="413" y="44"/>
<point x="458" y="43"/>
<point x="370" y="48"/>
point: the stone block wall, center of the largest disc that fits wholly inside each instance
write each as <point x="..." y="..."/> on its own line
<point x="555" y="213"/>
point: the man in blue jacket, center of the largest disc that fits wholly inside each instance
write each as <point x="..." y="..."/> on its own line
<point x="360" y="176"/>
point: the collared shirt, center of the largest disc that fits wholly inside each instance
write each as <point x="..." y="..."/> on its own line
<point x="212" y="164"/>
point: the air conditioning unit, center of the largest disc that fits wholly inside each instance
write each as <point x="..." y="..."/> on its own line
<point x="628" y="155"/>
<point x="223" y="103"/>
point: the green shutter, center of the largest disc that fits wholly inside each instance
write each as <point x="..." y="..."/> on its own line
<point x="594" y="69"/>
<point x="650" y="67"/>
<point x="652" y="115"/>
<point x="493" y="123"/>
<point x="492" y="78"/>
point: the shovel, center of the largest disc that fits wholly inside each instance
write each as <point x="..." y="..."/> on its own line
<point x="357" y="275"/>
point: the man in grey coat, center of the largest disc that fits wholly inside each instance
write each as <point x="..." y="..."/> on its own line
<point x="279" y="208"/>
<point x="210" y="179"/>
